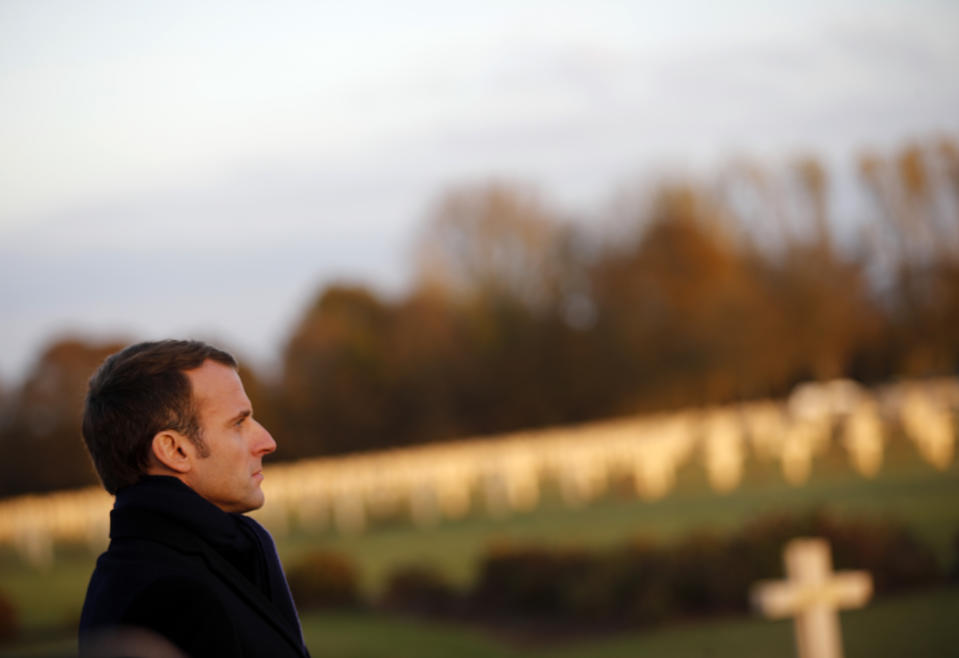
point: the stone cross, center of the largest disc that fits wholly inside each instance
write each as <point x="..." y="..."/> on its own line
<point x="811" y="595"/>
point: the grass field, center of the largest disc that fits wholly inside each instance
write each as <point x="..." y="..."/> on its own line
<point x="907" y="489"/>
<point x="918" y="625"/>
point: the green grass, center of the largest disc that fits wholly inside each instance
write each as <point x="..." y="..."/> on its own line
<point x="47" y="599"/>
<point x="918" y="625"/>
<point x="907" y="489"/>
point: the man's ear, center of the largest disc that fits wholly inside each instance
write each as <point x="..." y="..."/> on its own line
<point x="174" y="451"/>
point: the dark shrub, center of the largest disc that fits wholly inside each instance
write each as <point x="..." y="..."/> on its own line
<point x="420" y="589"/>
<point x="763" y="539"/>
<point x="629" y="586"/>
<point x="9" y="624"/>
<point x="625" y="586"/>
<point x="530" y="581"/>
<point x="693" y="567"/>
<point x="710" y="575"/>
<point x="700" y="575"/>
<point x="323" y="579"/>
<point x="888" y="550"/>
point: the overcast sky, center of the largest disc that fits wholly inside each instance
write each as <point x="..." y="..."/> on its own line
<point x="202" y="168"/>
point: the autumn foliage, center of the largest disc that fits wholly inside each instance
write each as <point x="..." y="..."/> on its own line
<point x="696" y="292"/>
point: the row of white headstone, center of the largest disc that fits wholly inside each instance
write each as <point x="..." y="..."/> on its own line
<point x="506" y="474"/>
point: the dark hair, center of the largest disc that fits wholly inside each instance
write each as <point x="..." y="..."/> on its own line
<point x="136" y="393"/>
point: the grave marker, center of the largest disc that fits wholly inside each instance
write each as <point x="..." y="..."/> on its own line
<point x="812" y="595"/>
<point x="723" y="450"/>
<point x="863" y="438"/>
<point x="930" y="426"/>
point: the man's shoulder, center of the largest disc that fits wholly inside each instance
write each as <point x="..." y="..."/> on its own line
<point x="184" y="609"/>
<point x="147" y="585"/>
<point x="145" y="559"/>
<point x="179" y="607"/>
<point x="168" y="580"/>
<point x="130" y="567"/>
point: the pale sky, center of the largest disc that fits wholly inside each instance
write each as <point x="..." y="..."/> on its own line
<point x="202" y="168"/>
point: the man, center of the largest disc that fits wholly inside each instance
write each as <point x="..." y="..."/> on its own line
<point x="171" y="433"/>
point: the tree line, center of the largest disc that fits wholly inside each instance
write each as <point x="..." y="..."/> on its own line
<point x="696" y="292"/>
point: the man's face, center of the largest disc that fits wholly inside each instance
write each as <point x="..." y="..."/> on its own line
<point x="230" y="475"/>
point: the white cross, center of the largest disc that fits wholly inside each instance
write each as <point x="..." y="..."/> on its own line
<point x="812" y="594"/>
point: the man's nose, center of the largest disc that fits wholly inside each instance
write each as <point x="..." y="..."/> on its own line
<point x="265" y="444"/>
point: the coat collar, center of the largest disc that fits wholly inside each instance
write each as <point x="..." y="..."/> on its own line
<point x="176" y="518"/>
<point x="170" y="497"/>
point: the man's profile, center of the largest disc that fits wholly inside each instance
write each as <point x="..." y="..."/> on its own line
<point x="172" y="435"/>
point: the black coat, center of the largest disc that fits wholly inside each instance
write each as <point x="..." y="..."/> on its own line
<point x="178" y="566"/>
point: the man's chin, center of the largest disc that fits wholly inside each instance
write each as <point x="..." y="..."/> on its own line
<point x="255" y="503"/>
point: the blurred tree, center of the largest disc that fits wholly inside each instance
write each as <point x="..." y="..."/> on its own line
<point x="681" y="306"/>
<point x="41" y="447"/>
<point x="494" y="240"/>
<point x="335" y="385"/>
<point x="492" y="338"/>
<point x="829" y="325"/>
<point x="916" y="199"/>
<point x="916" y="196"/>
<point x="703" y="316"/>
<point x="429" y="363"/>
<point x="6" y="407"/>
<point x="515" y="276"/>
<point x="814" y="192"/>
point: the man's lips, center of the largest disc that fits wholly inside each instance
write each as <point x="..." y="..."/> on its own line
<point x="258" y="475"/>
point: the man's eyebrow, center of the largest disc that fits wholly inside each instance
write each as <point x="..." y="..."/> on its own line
<point x="240" y="416"/>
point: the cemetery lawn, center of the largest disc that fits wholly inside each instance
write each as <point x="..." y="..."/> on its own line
<point x="48" y="602"/>
<point x="918" y="625"/>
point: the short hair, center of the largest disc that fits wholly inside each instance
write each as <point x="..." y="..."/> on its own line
<point x="136" y="393"/>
